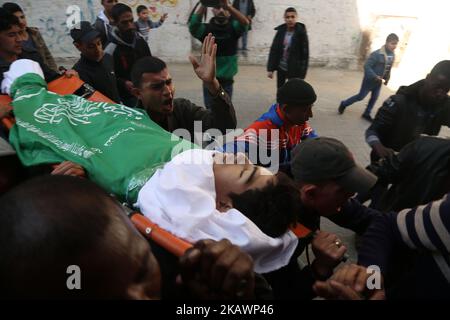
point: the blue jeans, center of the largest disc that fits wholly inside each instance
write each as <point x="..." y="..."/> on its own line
<point x="244" y="40"/>
<point x="366" y="87"/>
<point x="207" y="98"/>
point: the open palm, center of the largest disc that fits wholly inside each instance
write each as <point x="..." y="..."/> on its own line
<point x="206" y="67"/>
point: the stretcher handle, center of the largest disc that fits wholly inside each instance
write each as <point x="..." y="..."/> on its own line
<point x="165" y="239"/>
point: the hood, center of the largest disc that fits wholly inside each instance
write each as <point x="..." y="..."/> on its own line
<point x="102" y="16"/>
<point x="411" y="90"/>
<point x="115" y="38"/>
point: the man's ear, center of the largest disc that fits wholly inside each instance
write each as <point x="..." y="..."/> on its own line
<point x="308" y="193"/>
<point x="284" y="108"/>
<point x="136" y="92"/>
<point x="77" y="45"/>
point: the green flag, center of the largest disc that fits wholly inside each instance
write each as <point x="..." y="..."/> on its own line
<point x="120" y="148"/>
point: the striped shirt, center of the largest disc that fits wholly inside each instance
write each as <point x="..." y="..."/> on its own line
<point x="424" y="230"/>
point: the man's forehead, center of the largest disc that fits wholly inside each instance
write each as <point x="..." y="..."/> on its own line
<point x="156" y="76"/>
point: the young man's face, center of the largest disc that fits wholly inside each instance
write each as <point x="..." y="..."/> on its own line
<point x="126" y="25"/>
<point x="297" y="115"/>
<point x="22" y="19"/>
<point x="156" y="92"/>
<point x="222" y="15"/>
<point x="290" y="18"/>
<point x="143" y="15"/>
<point x="391" y="45"/>
<point x="11" y="41"/>
<point x="108" y="5"/>
<point x="233" y="173"/>
<point x="435" y="89"/>
<point x="92" y="50"/>
<point x="325" y="199"/>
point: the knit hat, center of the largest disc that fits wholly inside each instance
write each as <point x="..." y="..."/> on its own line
<point x="296" y="91"/>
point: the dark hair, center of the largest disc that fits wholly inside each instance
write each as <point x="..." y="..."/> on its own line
<point x="12" y="7"/>
<point x="441" y="68"/>
<point x="140" y="8"/>
<point x="118" y="10"/>
<point x="273" y="208"/>
<point x="7" y="20"/>
<point x="290" y="9"/>
<point x="46" y="225"/>
<point x="146" y="65"/>
<point x="392" y="37"/>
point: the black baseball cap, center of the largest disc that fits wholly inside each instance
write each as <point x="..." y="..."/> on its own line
<point x="84" y="32"/>
<point x="323" y="159"/>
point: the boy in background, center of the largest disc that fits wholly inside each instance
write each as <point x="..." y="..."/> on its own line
<point x="144" y="24"/>
<point x="377" y="71"/>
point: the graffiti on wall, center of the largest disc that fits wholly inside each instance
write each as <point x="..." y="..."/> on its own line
<point x="56" y="29"/>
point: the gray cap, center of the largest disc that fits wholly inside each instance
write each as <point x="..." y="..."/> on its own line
<point x="324" y="159"/>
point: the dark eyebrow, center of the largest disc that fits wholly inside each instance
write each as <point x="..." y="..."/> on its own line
<point x="255" y="168"/>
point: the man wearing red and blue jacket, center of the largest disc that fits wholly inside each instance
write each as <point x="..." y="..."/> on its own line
<point x="281" y="128"/>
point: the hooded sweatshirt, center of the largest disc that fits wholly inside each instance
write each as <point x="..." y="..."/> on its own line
<point x="125" y="54"/>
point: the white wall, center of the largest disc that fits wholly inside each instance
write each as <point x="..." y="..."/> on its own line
<point x="341" y="33"/>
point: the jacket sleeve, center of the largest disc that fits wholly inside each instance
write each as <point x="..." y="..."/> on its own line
<point x="48" y="58"/>
<point x="272" y="63"/>
<point x="221" y="116"/>
<point x="383" y="122"/>
<point x="424" y="228"/>
<point x="370" y="64"/>
<point x="252" y="11"/>
<point x="196" y="27"/>
<point x="304" y="58"/>
<point x="354" y="216"/>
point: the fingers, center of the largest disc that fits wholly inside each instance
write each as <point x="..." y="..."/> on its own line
<point x="343" y="292"/>
<point x="220" y="266"/>
<point x="68" y="168"/>
<point x="239" y="279"/>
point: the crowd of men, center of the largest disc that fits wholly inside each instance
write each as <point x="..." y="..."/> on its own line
<point x="247" y="225"/>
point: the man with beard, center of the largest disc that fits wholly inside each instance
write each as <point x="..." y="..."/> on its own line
<point x="226" y="31"/>
<point x="126" y="47"/>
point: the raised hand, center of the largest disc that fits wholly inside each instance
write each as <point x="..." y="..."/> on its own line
<point x="205" y="69"/>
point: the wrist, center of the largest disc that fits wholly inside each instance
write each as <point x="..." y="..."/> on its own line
<point x="213" y="87"/>
<point x="321" y="272"/>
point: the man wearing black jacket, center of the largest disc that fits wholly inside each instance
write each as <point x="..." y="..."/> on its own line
<point x="94" y="67"/>
<point x="289" y="53"/>
<point x="421" y="108"/>
<point x="126" y="47"/>
<point x="155" y="91"/>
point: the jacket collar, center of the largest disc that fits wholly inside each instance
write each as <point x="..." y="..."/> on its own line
<point x="275" y="115"/>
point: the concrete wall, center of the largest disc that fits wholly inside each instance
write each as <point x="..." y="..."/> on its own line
<point x="341" y="33"/>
